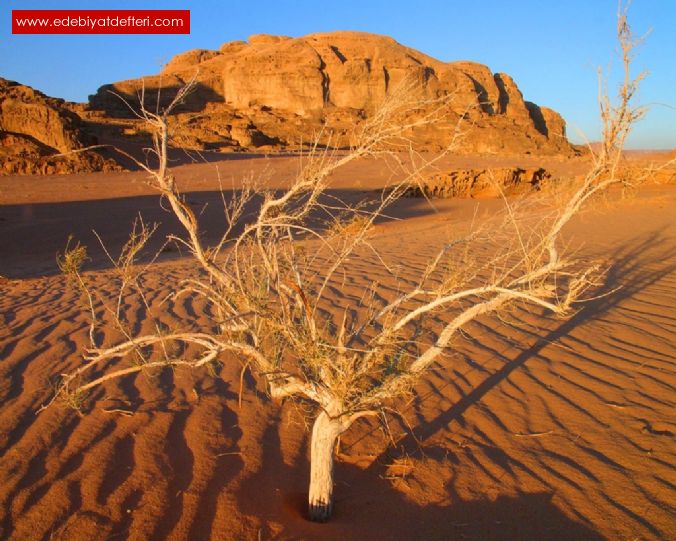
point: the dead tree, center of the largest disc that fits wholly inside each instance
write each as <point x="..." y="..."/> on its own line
<point x="268" y="294"/>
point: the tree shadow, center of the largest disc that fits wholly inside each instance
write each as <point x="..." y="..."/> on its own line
<point x="628" y="271"/>
<point x="369" y="506"/>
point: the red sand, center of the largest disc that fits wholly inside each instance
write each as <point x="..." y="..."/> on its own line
<point x="535" y="428"/>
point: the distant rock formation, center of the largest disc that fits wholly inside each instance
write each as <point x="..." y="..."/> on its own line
<point x="479" y="182"/>
<point x="35" y="128"/>
<point x="274" y="91"/>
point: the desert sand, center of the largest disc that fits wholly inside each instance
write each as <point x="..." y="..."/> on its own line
<point x="533" y="428"/>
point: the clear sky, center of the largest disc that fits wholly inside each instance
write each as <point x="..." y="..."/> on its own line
<point x="551" y="47"/>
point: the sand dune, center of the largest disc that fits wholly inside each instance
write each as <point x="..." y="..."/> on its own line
<point x="533" y="428"/>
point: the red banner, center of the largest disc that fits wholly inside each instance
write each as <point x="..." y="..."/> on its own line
<point x="101" y="21"/>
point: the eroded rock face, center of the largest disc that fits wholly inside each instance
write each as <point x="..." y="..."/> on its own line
<point x="188" y="60"/>
<point x="479" y="182"/>
<point x="288" y="88"/>
<point x="30" y="113"/>
<point x="285" y="75"/>
<point x="34" y="128"/>
<point x="23" y="155"/>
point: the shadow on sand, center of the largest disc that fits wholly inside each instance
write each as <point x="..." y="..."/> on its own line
<point x="368" y="507"/>
<point x="32" y="234"/>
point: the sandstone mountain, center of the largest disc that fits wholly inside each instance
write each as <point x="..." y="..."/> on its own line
<point x="271" y="92"/>
<point x="36" y="129"/>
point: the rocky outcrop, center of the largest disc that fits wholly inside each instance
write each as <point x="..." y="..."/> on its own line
<point x="188" y="59"/>
<point x="479" y="182"/>
<point x="30" y="113"/>
<point x="36" y="129"/>
<point x="279" y="90"/>
<point x="23" y="155"/>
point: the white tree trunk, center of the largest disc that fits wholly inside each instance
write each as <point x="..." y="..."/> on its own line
<point x="324" y="435"/>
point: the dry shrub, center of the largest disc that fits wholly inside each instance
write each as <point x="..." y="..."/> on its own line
<point x="267" y="290"/>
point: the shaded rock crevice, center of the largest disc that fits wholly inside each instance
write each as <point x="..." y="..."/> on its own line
<point x="537" y="118"/>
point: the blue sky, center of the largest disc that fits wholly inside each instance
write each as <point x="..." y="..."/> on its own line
<point x="551" y="48"/>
